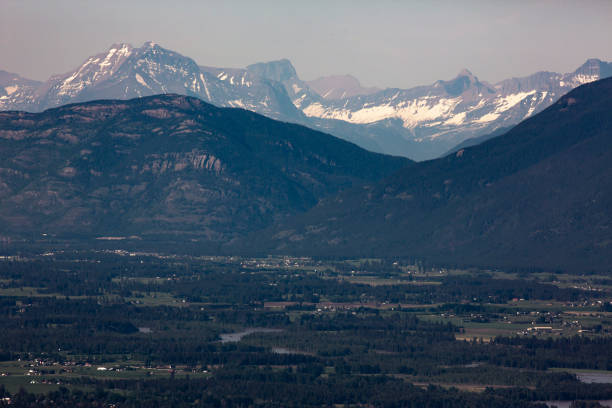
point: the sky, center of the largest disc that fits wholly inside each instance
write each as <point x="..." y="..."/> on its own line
<point x="383" y="43"/>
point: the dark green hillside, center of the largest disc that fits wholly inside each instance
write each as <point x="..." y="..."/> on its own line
<point x="166" y="166"/>
<point x="538" y="196"/>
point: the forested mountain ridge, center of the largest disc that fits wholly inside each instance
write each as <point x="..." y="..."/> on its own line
<point x="538" y="196"/>
<point x="166" y="166"/>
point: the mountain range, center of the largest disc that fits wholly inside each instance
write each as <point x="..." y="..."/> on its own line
<point x="176" y="170"/>
<point x="419" y="123"/>
<point x="167" y="167"/>
<point x="538" y="196"/>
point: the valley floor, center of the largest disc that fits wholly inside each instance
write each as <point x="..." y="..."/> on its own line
<point x="125" y="329"/>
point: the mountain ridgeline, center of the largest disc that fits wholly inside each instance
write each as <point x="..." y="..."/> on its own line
<point x="420" y="123"/>
<point x="538" y="196"/>
<point x="166" y="167"/>
<point x="176" y="169"/>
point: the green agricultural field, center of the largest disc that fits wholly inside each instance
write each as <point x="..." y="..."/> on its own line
<point x="217" y="323"/>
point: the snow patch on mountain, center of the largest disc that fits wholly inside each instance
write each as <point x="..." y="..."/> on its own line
<point x="141" y="81"/>
<point x="489" y="117"/>
<point x="245" y="82"/>
<point x="578" y="80"/>
<point x="11" y="89"/>
<point x="236" y="103"/>
<point x="509" y="101"/>
<point x="205" y="86"/>
<point x="411" y="112"/>
<point x="456" y="119"/>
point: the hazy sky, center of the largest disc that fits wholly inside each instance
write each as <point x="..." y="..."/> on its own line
<point x="383" y="43"/>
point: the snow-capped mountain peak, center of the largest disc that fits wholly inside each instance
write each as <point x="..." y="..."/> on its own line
<point x="96" y="69"/>
<point x="420" y="122"/>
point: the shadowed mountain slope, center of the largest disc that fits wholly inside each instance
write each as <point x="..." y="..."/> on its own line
<point x="538" y="196"/>
<point x="166" y="166"/>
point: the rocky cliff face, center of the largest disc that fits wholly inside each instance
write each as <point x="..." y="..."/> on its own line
<point x="166" y="166"/>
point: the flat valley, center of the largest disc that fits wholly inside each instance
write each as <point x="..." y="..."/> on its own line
<point x="190" y="329"/>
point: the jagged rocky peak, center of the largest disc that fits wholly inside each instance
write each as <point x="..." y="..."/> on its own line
<point x="117" y="52"/>
<point x="281" y="70"/>
<point x="121" y="48"/>
<point x="462" y="82"/>
<point x="10" y="78"/>
<point x="151" y="47"/>
<point x="154" y="52"/>
<point x="466" y="73"/>
<point x="104" y="62"/>
<point x="120" y="51"/>
<point x="595" y="68"/>
<point x="150" y="44"/>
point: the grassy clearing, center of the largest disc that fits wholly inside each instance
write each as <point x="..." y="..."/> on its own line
<point x="41" y="379"/>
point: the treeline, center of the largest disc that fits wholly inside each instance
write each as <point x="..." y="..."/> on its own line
<point x="231" y="284"/>
<point x="264" y="388"/>
<point x="357" y="341"/>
